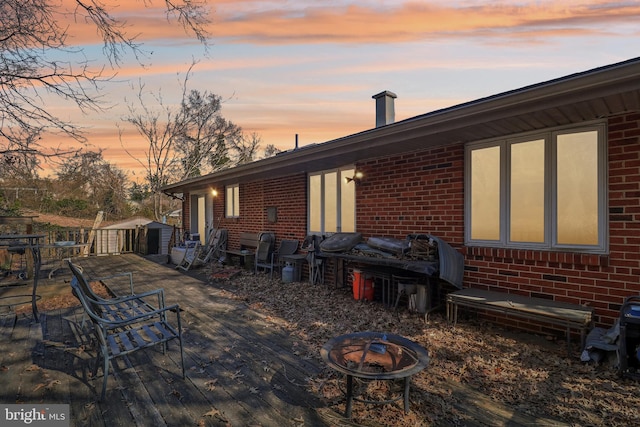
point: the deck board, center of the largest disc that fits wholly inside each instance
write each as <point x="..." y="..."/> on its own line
<point x="19" y="374"/>
<point x="240" y="343"/>
<point x="240" y="369"/>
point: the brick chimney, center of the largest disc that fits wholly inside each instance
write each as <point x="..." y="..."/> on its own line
<point x="385" y="111"/>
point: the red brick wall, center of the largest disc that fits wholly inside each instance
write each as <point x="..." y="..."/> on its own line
<point x="423" y="192"/>
<point x="287" y="195"/>
<point x="622" y="278"/>
<point x="418" y="192"/>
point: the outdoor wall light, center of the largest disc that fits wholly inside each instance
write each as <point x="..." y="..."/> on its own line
<point x="214" y="192"/>
<point x="355" y="178"/>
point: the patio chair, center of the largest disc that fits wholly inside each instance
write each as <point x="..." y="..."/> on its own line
<point x="119" y="307"/>
<point x="264" y="258"/>
<point x="287" y="247"/>
<point x="311" y="245"/>
<point x="124" y="332"/>
<point x="214" y="249"/>
<point x="191" y="255"/>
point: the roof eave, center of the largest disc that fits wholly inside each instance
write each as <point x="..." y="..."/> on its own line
<point x="414" y="132"/>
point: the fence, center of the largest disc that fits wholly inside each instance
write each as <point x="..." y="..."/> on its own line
<point x="56" y="246"/>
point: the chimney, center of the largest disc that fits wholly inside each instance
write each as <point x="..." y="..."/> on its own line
<point x="385" y="112"/>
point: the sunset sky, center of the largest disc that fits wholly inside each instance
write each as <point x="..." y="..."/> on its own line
<point x="310" y="67"/>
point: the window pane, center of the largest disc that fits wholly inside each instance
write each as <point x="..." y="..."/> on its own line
<point x="232" y="201"/>
<point x="577" y="188"/>
<point x="330" y="202"/>
<point x="347" y="202"/>
<point x="527" y="192"/>
<point x="315" y="203"/>
<point x="236" y="200"/>
<point x="485" y="194"/>
<point x="202" y="222"/>
<point x="229" y="201"/>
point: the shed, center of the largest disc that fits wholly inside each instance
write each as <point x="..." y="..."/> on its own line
<point x="139" y="235"/>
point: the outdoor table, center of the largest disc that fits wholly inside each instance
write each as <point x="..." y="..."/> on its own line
<point x="30" y="242"/>
<point x="375" y="356"/>
<point x="63" y="252"/>
<point x="427" y="268"/>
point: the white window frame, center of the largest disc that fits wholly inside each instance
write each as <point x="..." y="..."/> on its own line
<point x="339" y="177"/>
<point x="550" y="226"/>
<point x="232" y="203"/>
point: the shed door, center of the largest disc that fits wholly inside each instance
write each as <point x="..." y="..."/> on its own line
<point x="153" y="241"/>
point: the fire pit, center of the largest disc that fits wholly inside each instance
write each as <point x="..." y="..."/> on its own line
<point x="375" y="356"/>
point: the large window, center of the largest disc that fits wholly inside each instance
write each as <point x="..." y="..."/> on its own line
<point x="332" y="201"/>
<point x="545" y="191"/>
<point x="232" y="201"/>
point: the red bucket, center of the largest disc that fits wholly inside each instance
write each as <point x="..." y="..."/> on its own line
<point x="362" y="286"/>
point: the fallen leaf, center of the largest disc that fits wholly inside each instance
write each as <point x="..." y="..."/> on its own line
<point x="212" y="413"/>
<point x="211" y="385"/>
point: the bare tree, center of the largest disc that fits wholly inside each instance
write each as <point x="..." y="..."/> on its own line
<point x="245" y="148"/>
<point x="160" y="126"/>
<point x="270" y="150"/>
<point x="33" y="38"/>
<point x="87" y="177"/>
<point x="185" y="142"/>
<point x="202" y="146"/>
<point x="20" y="158"/>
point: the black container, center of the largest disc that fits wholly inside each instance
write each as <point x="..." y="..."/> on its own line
<point x="629" y="347"/>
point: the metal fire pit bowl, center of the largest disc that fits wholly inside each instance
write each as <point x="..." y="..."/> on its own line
<point x="374" y="356"/>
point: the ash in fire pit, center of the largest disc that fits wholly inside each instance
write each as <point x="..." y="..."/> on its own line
<point x="375" y="356"/>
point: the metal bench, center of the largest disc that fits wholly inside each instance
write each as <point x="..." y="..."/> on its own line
<point x="570" y="316"/>
<point x="123" y="325"/>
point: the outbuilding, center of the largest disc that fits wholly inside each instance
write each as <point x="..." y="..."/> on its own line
<point x="139" y="235"/>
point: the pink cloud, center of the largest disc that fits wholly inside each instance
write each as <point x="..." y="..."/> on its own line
<point x="410" y="21"/>
<point x="299" y="109"/>
<point x="417" y="21"/>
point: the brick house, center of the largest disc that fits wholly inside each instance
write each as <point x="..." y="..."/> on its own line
<point x="538" y="188"/>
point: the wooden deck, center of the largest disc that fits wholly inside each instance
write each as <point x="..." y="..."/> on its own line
<point x="240" y="370"/>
